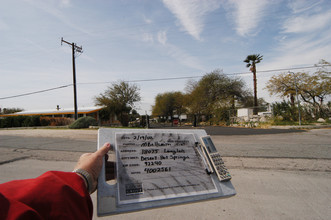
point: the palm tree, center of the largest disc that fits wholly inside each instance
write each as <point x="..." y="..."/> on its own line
<point x="251" y="61"/>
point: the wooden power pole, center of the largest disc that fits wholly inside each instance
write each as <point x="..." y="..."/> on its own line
<point x="75" y="49"/>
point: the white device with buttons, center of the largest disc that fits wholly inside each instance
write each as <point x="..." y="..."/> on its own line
<point x="214" y="159"/>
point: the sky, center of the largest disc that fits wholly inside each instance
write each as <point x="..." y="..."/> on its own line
<point x="144" y="41"/>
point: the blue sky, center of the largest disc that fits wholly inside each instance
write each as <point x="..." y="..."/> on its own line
<point x="149" y="39"/>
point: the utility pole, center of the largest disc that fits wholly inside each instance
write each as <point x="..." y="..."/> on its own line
<point x="75" y="49"/>
<point x="296" y="92"/>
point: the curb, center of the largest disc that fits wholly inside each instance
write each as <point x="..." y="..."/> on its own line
<point x="300" y="127"/>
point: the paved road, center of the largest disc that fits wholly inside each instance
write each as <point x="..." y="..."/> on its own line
<point x="311" y="144"/>
<point x="219" y="130"/>
<point x="271" y="143"/>
<point x="234" y="142"/>
<point x="267" y="188"/>
<point x="47" y="143"/>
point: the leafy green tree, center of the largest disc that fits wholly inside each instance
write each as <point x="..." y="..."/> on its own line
<point x="284" y="85"/>
<point x="134" y="115"/>
<point x="312" y="88"/>
<point x="248" y="101"/>
<point x="119" y="99"/>
<point x="251" y="61"/>
<point x="10" y="110"/>
<point x="194" y="101"/>
<point x="214" y="91"/>
<point x="169" y="103"/>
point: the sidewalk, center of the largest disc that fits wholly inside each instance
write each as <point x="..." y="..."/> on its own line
<point x="261" y="194"/>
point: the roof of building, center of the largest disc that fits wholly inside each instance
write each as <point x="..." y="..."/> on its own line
<point x="60" y="111"/>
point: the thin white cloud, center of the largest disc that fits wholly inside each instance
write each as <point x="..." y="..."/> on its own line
<point x="305" y="38"/>
<point x="148" y="38"/>
<point x="183" y="57"/>
<point x="247" y="14"/>
<point x="65" y="3"/>
<point x="162" y="37"/>
<point x="191" y="13"/>
<point x="173" y="51"/>
<point x="146" y="20"/>
<point x="299" y="51"/>
<point x="298" y="6"/>
<point x="307" y="23"/>
<point x="54" y="9"/>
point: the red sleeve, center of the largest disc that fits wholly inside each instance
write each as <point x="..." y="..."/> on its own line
<point x="53" y="195"/>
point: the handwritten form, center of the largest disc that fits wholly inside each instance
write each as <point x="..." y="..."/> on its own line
<point x="158" y="166"/>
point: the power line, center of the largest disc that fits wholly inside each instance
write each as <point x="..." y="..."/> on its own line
<point x="283" y="69"/>
<point x="191" y="77"/>
<point x="162" y="79"/>
<point x="293" y="68"/>
<point x="146" y="80"/>
<point x="40" y="91"/>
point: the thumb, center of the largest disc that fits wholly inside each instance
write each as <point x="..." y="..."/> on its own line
<point x="103" y="150"/>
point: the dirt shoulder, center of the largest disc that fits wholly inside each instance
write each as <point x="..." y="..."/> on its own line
<point x="293" y="164"/>
<point x="80" y="134"/>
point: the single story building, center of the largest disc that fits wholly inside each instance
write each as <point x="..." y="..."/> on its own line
<point x="61" y="112"/>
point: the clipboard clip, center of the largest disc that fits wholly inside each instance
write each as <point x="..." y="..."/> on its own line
<point x="203" y="155"/>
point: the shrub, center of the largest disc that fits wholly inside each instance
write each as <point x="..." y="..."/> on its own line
<point x="54" y="121"/>
<point x="221" y="116"/>
<point x="285" y="110"/>
<point x="60" y="121"/>
<point x="27" y="122"/>
<point x="33" y="121"/>
<point x="6" y="122"/>
<point x="14" y="121"/>
<point x="83" y="122"/>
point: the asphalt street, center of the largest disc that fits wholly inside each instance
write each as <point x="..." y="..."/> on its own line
<point x="278" y="174"/>
<point x="231" y="142"/>
<point x="310" y="144"/>
<point x="48" y="143"/>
